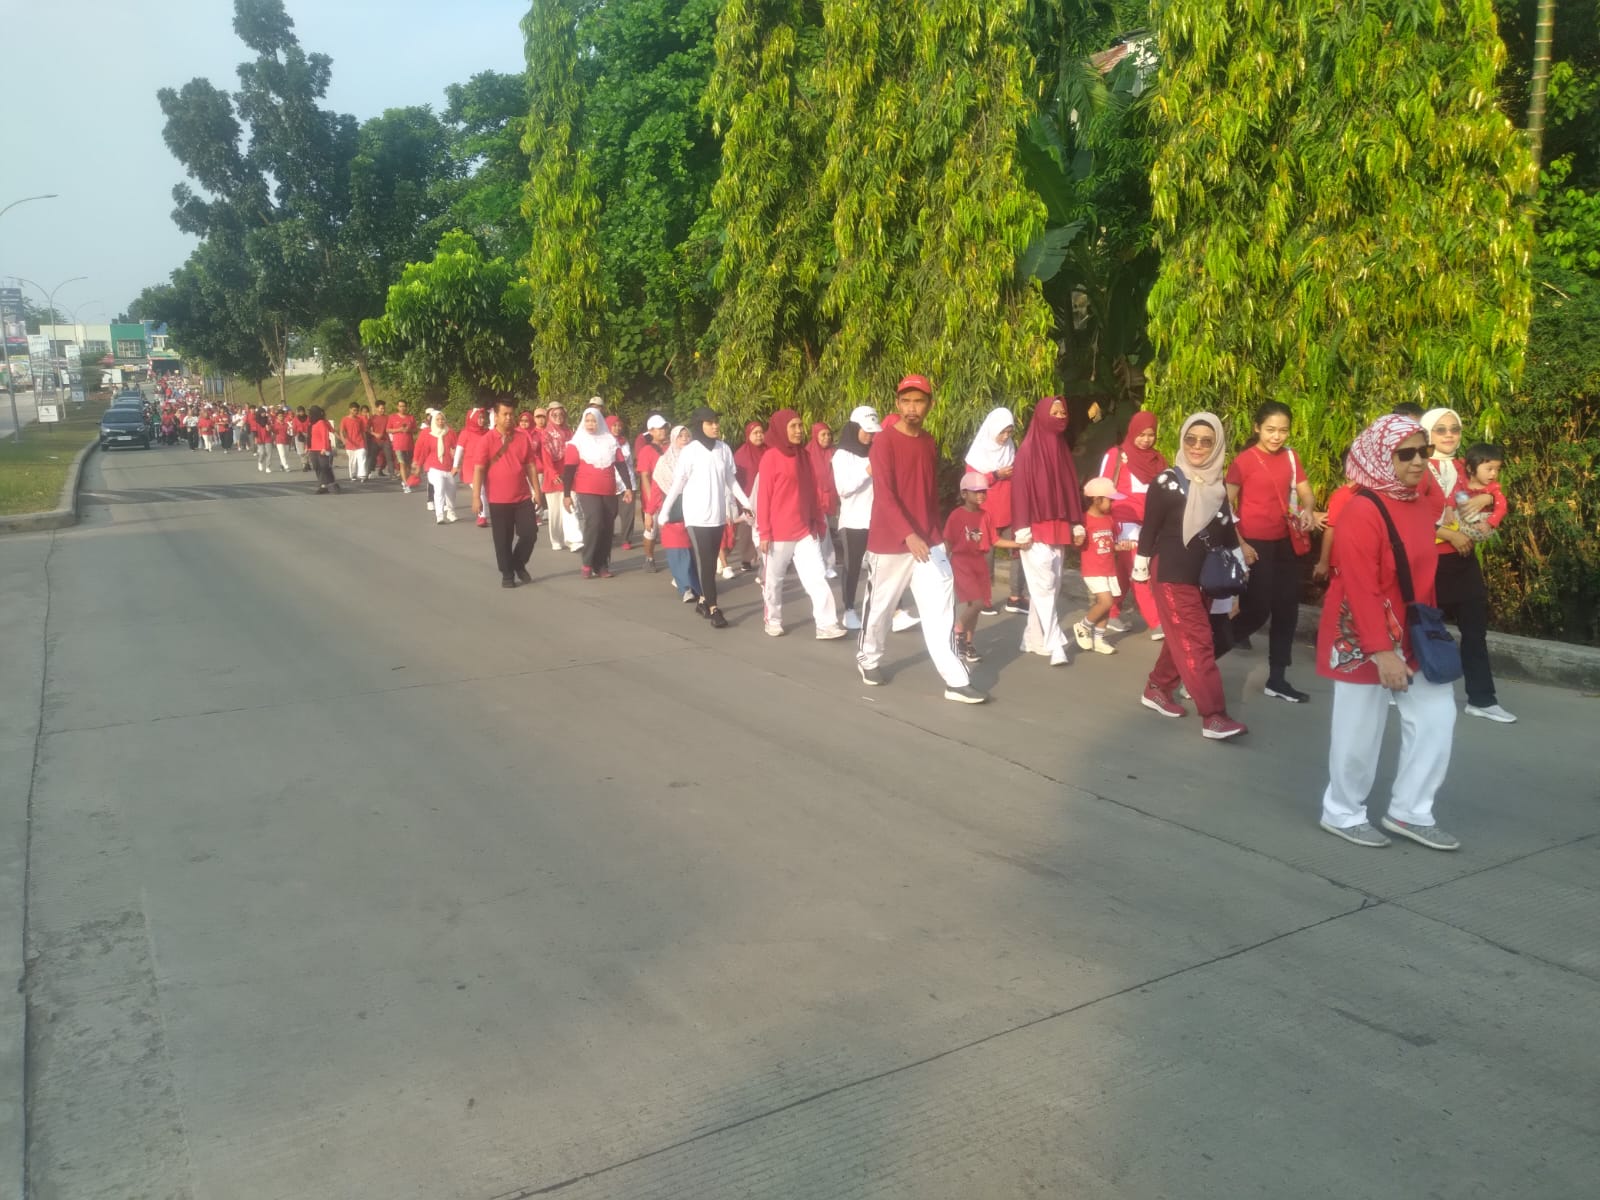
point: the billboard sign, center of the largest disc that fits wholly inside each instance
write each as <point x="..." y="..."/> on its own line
<point x="16" y="332"/>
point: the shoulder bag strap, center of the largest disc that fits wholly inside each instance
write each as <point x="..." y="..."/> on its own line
<point x="1402" y="564"/>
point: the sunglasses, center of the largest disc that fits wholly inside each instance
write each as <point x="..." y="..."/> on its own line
<point x="1411" y="452"/>
<point x="1447" y="429"/>
<point x="1199" y="442"/>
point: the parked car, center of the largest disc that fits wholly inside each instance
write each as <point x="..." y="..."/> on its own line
<point x="124" y="426"/>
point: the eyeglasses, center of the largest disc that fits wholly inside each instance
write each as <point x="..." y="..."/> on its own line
<point x="1447" y="429"/>
<point x="1199" y="443"/>
<point x="1410" y="452"/>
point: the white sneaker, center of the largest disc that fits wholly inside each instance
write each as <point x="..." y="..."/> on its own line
<point x="438" y="520"/>
<point x="851" y="619"/>
<point x="430" y="505"/>
<point x="1157" y="634"/>
<point x="451" y="517"/>
<point x="826" y="633"/>
<point x="406" y="488"/>
<point x="1491" y="712"/>
<point x="830" y="573"/>
<point x="904" y="621"/>
<point x="726" y="572"/>
<point x="774" y="629"/>
<point x="1101" y="646"/>
<point x="1059" y="657"/>
<point x="1083" y="636"/>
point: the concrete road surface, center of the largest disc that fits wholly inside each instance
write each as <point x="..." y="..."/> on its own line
<point x="350" y="874"/>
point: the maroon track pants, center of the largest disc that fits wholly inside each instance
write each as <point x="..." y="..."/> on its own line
<point x="1188" y="652"/>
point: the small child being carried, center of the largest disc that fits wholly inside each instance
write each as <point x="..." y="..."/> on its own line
<point x="1480" y="504"/>
<point x="1098" y="564"/>
<point x="969" y="535"/>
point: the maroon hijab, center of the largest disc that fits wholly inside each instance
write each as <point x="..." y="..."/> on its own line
<point x="822" y="468"/>
<point x="747" y="458"/>
<point x="1144" y="464"/>
<point x="1044" y="483"/>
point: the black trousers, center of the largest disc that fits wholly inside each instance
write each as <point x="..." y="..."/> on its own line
<point x="706" y="541"/>
<point x="598" y="516"/>
<point x="1464" y="596"/>
<point x="1273" y="595"/>
<point x="855" y="549"/>
<point x="627" y="514"/>
<point x="521" y="520"/>
<point x="322" y="464"/>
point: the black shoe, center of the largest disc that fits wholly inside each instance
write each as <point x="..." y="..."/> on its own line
<point x="1242" y="643"/>
<point x="1016" y="604"/>
<point x="702" y="608"/>
<point x="718" y="621"/>
<point x="965" y="694"/>
<point x="508" y="581"/>
<point x="1279" y="689"/>
<point x="522" y="574"/>
<point x="337" y="488"/>
<point x="989" y="610"/>
<point x="747" y="567"/>
<point x="321" y="491"/>
<point x="871" y="676"/>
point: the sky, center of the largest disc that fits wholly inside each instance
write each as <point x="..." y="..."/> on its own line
<point x="78" y="102"/>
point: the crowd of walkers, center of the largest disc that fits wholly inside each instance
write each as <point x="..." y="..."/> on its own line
<point x="1207" y="550"/>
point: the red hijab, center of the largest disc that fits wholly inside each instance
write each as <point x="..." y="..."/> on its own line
<point x="1145" y="464"/>
<point x="747" y="458"/>
<point x="778" y="443"/>
<point x="1044" y="483"/>
<point x="822" y="468"/>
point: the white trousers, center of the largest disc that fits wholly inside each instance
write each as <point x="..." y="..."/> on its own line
<point x="283" y="455"/>
<point x="806" y="555"/>
<point x="264" y="455"/>
<point x="1041" y="567"/>
<point x="356" y="460"/>
<point x="444" y="493"/>
<point x="933" y="585"/>
<point x="205" y="441"/>
<point x="1427" y="728"/>
<point x="566" y="528"/>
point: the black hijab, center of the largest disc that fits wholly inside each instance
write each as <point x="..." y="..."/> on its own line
<point x="697" y="427"/>
<point x="850" y="440"/>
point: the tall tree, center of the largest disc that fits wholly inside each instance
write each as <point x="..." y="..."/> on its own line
<point x="1340" y="213"/>
<point x="485" y="117"/>
<point x="562" y="207"/>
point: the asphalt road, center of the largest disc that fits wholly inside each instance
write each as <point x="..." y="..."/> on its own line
<point x="352" y="875"/>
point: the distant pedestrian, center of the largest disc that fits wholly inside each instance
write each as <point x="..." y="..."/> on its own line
<point x="593" y="467"/>
<point x="852" y="483"/>
<point x="402" y="442"/>
<point x="320" y="439"/>
<point x="970" y="536"/>
<point x="993" y="454"/>
<point x="707" y="482"/>
<point x="506" y="482"/>
<point x="439" y="458"/>
<point x="790" y="525"/>
<point x="1047" y="513"/>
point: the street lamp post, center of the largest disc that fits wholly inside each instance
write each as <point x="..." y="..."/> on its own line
<point x="5" y="346"/>
<point x="50" y="304"/>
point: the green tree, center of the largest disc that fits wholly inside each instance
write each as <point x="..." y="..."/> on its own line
<point x="1340" y="213"/>
<point x="563" y="209"/>
<point x="485" y="117"/>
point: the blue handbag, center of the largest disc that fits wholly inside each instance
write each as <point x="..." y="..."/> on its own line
<point x="1437" y="653"/>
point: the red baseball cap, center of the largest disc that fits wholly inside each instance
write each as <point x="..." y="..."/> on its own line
<point x="918" y="383"/>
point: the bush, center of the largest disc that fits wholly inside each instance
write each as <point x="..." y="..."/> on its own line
<point x="1544" y="569"/>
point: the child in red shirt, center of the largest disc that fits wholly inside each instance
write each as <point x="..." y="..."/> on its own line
<point x="1482" y="478"/>
<point x="969" y="535"/>
<point x="1098" y="564"/>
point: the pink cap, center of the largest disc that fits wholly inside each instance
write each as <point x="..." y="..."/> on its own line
<point x="974" y="481"/>
<point x="1102" y="486"/>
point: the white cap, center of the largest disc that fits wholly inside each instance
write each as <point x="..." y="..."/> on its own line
<point x="866" y="418"/>
<point x="656" y="421"/>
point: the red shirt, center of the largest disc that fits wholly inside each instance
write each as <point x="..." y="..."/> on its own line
<point x="1493" y="516"/>
<point x="647" y="458"/>
<point x="1099" y="554"/>
<point x="378" y="425"/>
<point x="905" y="491"/>
<point x="207" y="424"/>
<point x="353" y="431"/>
<point x="1264" y="483"/>
<point x="321" y="435"/>
<point x="1364" y="611"/>
<point x="280" y="432"/>
<point x="969" y="533"/>
<point x="402" y="430"/>
<point x="436" y="454"/>
<point x="591" y="481"/>
<point x="1337" y="499"/>
<point x="506" y="480"/>
<point x="785" y="511"/>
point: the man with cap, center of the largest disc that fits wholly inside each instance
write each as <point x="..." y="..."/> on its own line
<point x="905" y="546"/>
<point x="651" y="447"/>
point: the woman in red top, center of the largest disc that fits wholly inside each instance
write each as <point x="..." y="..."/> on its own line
<point x="746" y="462"/>
<point x="789" y="521"/>
<point x="279" y="426"/>
<point x="993" y="454"/>
<point x="1267" y="488"/>
<point x="820" y="450"/>
<point x="1364" y="644"/>
<point x="320" y="437"/>
<point x="472" y="433"/>
<point x="589" y="474"/>
<point x="1047" y="512"/>
<point x="565" y="529"/>
<point x="646" y="457"/>
<point x="1132" y="467"/>
<point x="438" y="458"/>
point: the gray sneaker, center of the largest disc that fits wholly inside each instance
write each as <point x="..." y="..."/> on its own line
<point x="1359" y="835"/>
<point x="1430" y="836"/>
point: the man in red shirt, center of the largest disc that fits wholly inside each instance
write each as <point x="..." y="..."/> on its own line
<point x="506" y="478"/>
<point x="402" y="438"/>
<point x="905" y="545"/>
<point x="651" y="447"/>
<point x="378" y="438"/>
<point x="353" y="433"/>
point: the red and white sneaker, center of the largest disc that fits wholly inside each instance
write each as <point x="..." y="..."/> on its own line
<point x="1219" y="727"/>
<point x="1158" y="701"/>
<point x="483" y="522"/>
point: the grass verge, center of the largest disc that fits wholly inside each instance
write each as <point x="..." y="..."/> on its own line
<point x="33" y="472"/>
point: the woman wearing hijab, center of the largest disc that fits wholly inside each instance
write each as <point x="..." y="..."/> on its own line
<point x="1046" y="510"/>
<point x="438" y="458"/>
<point x="1462" y="592"/>
<point x="1132" y="467"/>
<point x="747" y="461"/>
<point x="674" y="536"/>
<point x="472" y="439"/>
<point x="852" y="481"/>
<point x="789" y="522"/>
<point x="1186" y="515"/>
<point x="993" y="454"/>
<point x="1364" y="644"/>
<point x="627" y="511"/>
<point x="820" y="451"/>
<point x="705" y="479"/>
<point x="593" y="468"/>
<point x="565" y="529"/>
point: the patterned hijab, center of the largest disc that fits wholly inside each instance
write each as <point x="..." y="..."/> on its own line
<point x="1370" y="463"/>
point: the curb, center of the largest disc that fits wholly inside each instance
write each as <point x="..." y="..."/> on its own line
<point x="66" y="511"/>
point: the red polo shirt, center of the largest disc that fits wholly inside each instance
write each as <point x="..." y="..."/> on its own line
<point x="506" y="476"/>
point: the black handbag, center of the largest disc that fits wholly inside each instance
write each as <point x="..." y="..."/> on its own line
<point x="1437" y="653"/>
<point x="1221" y="572"/>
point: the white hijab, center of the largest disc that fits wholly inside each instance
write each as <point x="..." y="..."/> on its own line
<point x="1443" y="466"/>
<point x="598" y="449"/>
<point x="668" y="466"/>
<point x="987" y="453"/>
